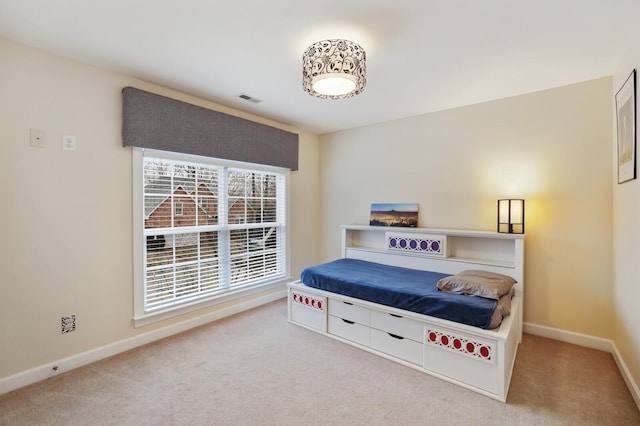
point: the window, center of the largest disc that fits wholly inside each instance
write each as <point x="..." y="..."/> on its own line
<point x="207" y="230"/>
<point x="179" y="207"/>
<point x="203" y="203"/>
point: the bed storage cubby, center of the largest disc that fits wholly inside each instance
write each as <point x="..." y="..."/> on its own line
<point x="308" y="309"/>
<point x="478" y="359"/>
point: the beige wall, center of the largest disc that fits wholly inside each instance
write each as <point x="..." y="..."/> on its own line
<point x="66" y="220"/>
<point x="552" y="148"/>
<point x="626" y="237"/>
<point x="67" y="244"/>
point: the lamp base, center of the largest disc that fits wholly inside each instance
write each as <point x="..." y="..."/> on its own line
<point x="511" y="228"/>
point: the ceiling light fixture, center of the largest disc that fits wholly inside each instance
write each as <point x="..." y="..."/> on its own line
<point x="334" y="69"/>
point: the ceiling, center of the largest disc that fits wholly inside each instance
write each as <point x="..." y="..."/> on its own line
<point x="422" y="55"/>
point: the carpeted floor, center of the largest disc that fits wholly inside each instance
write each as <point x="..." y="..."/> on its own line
<point x="255" y="368"/>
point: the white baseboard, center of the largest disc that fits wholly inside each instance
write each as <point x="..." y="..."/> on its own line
<point x="626" y="375"/>
<point x="16" y="381"/>
<point x="589" y="342"/>
<point x="45" y="371"/>
<point x="569" y="337"/>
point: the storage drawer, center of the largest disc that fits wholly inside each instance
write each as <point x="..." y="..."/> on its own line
<point x="397" y="346"/>
<point x="400" y="326"/>
<point x="349" y="311"/>
<point x="308" y="309"/>
<point x="349" y="330"/>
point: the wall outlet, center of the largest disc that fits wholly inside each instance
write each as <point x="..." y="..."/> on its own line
<point x="68" y="324"/>
<point x="68" y="143"/>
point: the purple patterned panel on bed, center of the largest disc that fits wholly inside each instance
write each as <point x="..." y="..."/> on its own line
<point x="431" y="245"/>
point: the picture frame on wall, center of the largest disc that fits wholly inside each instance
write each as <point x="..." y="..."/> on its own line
<point x="626" y="125"/>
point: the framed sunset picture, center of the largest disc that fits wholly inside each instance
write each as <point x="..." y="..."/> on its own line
<point x="394" y="214"/>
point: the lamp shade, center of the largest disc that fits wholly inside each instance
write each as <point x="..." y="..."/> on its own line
<point x="334" y="69"/>
<point x="511" y="216"/>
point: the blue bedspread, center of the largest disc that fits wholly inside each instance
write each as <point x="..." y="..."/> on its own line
<point x="402" y="288"/>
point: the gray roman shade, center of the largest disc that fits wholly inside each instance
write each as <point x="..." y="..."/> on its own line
<point x="158" y="122"/>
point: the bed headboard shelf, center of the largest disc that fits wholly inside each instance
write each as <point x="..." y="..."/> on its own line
<point x="446" y="250"/>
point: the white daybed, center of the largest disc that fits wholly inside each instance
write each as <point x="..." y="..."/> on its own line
<point x="477" y="359"/>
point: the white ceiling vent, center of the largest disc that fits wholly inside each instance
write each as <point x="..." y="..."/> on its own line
<point x="249" y="98"/>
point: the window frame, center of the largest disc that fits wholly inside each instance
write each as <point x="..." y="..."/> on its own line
<point x="142" y="317"/>
<point x="179" y="208"/>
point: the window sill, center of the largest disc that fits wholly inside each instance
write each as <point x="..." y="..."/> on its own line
<point x="153" y="317"/>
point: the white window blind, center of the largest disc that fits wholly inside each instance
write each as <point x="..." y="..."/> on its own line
<point x="209" y="229"/>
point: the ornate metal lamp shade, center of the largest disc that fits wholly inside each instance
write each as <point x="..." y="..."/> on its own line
<point x="334" y="69"/>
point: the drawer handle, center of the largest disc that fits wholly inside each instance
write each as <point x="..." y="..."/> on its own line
<point x="395" y="336"/>
<point x="347" y="303"/>
<point x="347" y="321"/>
<point x="396" y="315"/>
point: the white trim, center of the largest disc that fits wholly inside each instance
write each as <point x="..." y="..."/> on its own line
<point x="593" y="343"/>
<point x="144" y="317"/>
<point x="24" y="378"/>
<point x="569" y="337"/>
<point x="626" y="375"/>
<point x="138" y="225"/>
<point x="152" y="317"/>
<point x="176" y="156"/>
